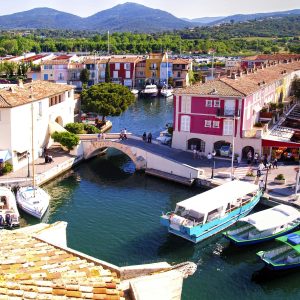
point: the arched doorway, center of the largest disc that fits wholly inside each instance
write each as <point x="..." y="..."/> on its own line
<point x="218" y="145"/>
<point x="197" y="144"/>
<point x="246" y="150"/>
<point x="59" y="121"/>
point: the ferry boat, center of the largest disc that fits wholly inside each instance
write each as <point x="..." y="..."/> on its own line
<point x="209" y="213"/>
<point x="264" y="225"/>
<point x="150" y="90"/>
<point x="9" y="214"/>
<point x="285" y="257"/>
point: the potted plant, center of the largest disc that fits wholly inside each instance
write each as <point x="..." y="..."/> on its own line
<point x="280" y="179"/>
<point x="249" y="176"/>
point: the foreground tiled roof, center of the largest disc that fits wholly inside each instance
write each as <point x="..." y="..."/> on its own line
<point x="124" y="59"/>
<point x="55" y="62"/>
<point x="242" y="86"/>
<point x="212" y="87"/>
<point x="33" y="269"/>
<point x="34" y="91"/>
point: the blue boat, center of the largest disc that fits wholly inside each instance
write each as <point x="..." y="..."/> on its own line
<point x="285" y="257"/>
<point x="264" y="225"/>
<point x="209" y="213"/>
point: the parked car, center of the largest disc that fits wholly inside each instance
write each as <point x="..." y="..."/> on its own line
<point x="225" y="151"/>
<point x="90" y="116"/>
<point x="165" y="138"/>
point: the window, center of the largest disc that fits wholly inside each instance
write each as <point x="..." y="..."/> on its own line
<point x="216" y="124"/>
<point x="0" y="116"/>
<point x="217" y="103"/>
<point x="208" y="103"/>
<point x="178" y="74"/>
<point x="117" y="66"/>
<point x="127" y="66"/>
<point x="40" y="109"/>
<point x="207" y="123"/>
<point x="228" y="127"/>
<point x="185" y="123"/>
<point x="186" y="104"/>
<point x="102" y="74"/>
<point x="69" y="94"/>
<point x="115" y="74"/>
<point x="127" y="74"/>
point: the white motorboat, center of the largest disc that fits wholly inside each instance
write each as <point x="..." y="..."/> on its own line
<point x="134" y="91"/>
<point x="9" y="214"/>
<point x="150" y="90"/>
<point x="166" y="92"/>
<point x="33" y="200"/>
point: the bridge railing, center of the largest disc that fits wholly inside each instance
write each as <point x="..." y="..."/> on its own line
<point x="107" y="136"/>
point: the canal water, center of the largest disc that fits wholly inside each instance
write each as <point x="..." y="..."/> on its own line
<point x="113" y="214"/>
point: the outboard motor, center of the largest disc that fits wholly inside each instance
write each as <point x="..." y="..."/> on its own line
<point x="1" y="222"/>
<point x="8" y="220"/>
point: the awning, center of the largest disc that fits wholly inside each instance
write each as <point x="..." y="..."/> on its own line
<point x="5" y="155"/>
<point x="270" y="143"/>
<point x="54" y="126"/>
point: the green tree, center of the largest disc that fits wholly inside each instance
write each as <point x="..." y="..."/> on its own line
<point x="66" y="139"/>
<point x="84" y="76"/>
<point x="76" y="128"/>
<point x="107" y="99"/>
<point x="107" y="73"/>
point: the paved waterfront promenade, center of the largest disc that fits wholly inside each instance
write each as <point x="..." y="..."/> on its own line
<point x="284" y="192"/>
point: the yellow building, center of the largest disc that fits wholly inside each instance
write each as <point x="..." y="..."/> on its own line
<point x="153" y="62"/>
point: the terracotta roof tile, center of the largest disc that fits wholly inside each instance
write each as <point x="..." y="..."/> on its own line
<point x="212" y="87"/>
<point x="250" y="83"/>
<point x="33" y="269"/>
<point x="271" y="57"/>
<point x="55" y="62"/>
<point x="125" y="59"/>
<point x="33" y="91"/>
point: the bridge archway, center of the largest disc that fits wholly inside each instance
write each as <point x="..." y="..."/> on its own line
<point x="92" y="148"/>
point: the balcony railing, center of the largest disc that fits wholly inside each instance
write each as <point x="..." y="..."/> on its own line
<point x="180" y="68"/>
<point x="226" y="112"/>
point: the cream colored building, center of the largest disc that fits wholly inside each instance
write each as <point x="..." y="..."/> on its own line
<point x="40" y="103"/>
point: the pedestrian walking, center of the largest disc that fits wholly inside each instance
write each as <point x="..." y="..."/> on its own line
<point x="209" y="156"/>
<point x="261" y="185"/>
<point x="125" y="133"/>
<point x="275" y="165"/>
<point x="194" y="154"/>
<point x="149" y="137"/>
<point x="265" y="161"/>
<point x="260" y="169"/>
<point x="144" y="136"/>
<point x="249" y="157"/>
<point x="255" y="158"/>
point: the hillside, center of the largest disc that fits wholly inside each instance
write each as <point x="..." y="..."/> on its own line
<point x="124" y="17"/>
<point x="41" y="18"/>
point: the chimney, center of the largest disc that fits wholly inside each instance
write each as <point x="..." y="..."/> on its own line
<point x="12" y="89"/>
<point x="218" y="74"/>
<point x="239" y="73"/>
<point x="247" y="71"/>
<point x="228" y="73"/>
<point x="233" y="75"/>
<point x="204" y="78"/>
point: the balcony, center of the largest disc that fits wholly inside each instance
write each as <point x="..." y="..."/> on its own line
<point x="227" y="112"/>
<point x="258" y="130"/>
<point x="180" y="68"/>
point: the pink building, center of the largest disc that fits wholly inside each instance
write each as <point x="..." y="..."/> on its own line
<point x="211" y="114"/>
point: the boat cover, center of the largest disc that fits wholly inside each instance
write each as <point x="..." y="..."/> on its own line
<point x="272" y="217"/>
<point x="218" y="197"/>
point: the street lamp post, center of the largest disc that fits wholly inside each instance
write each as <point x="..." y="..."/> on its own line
<point x="213" y="164"/>
<point x="28" y="169"/>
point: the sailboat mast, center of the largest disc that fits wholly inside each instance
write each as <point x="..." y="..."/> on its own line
<point x="32" y="143"/>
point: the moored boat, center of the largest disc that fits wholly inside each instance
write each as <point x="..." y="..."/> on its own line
<point x="285" y="257"/>
<point x="134" y="91"/>
<point x="150" y="90"/>
<point x="9" y="214"/>
<point x="264" y="225"/>
<point x="208" y="213"/>
<point x="33" y="200"/>
<point x="166" y="92"/>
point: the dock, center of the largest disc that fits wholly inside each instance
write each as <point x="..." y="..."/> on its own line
<point x="170" y="177"/>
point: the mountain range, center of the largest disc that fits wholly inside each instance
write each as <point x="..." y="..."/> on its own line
<point x="130" y="17"/>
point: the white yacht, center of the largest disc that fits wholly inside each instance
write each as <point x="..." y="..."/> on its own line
<point x="33" y="200"/>
<point x="150" y="90"/>
<point x="166" y="91"/>
<point x="9" y="214"/>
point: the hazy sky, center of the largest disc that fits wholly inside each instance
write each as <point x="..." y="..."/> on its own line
<point x="179" y="8"/>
